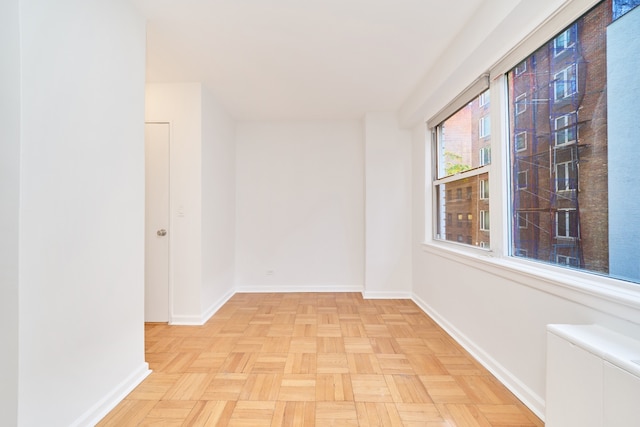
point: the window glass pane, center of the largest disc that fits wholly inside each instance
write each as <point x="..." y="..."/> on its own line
<point x="561" y="147"/>
<point x="465" y="219"/>
<point x="463" y="139"/>
<point x="463" y="146"/>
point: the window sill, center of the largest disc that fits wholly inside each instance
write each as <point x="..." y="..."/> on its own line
<point x="611" y="296"/>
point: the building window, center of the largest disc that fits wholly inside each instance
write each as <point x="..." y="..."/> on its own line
<point x="485" y="156"/>
<point x="521" y="141"/>
<point x="484" y="98"/>
<point x="449" y="219"/>
<point x="521" y="68"/>
<point x="521" y="103"/>
<point x="565" y="83"/>
<point x="520" y="253"/>
<point x="484" y="244"/>
<point x="564" y="40"/>
<point x="522" y="180"/>
<point x="484" y="189"/>
<point x="566" y="226"/>
<point x="523" y="220"/>
<point x="567" y="260"/>
<point x="566" y="176"/>
<point x="484" y="127"/>
<point x="484" y="220"/>
<point x="565" y="129"/>
<point x="460" y="171"/>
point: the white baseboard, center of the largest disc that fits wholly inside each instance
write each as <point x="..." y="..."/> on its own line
<point x="300" y="288"/>
<point x="98" y="411"/>
<point x="186" y="320"/>
<point x="532" y="400"/>
<point x="216" y="306"/>
<point x="386" y="295"/>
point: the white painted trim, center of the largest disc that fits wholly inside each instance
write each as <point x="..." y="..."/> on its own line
<point x="98" y="411"/>
<point x="299" y="288"/>
<point x="186" y="320"/>
<point x="605" y="294"/>
<point x="532" y="400"/>
<point x="386" y="295"/>
<point x="216" y="306"/>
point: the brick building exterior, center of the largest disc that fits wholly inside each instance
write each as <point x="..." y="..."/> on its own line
<point x="558" y="122"/>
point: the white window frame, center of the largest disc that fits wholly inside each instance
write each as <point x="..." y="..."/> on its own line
<point x="563" y="41"/>
<point x="521" y="103"/>
<point x="566" y="260"/>
<point x="564" y="130"/>
<point x="526" y="180"/>
<point x="484" y="98"/>
<point x="485" y="155"/>
<point x="523" y="137"/>
<point x="485" y="220"/>
<point x="523" y="216"/>
<point x="484" y="126"/>
<point x="566" y="180"/>
<point x="564" y="215"/>
<point x="565" y="83"/>
<point x="484" y="189"/>
<point x="521" y="68"/>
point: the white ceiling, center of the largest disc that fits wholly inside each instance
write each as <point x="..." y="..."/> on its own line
<point x="300" y="59"/>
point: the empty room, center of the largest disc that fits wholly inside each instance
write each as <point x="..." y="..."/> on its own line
<point x="323" y="212"/>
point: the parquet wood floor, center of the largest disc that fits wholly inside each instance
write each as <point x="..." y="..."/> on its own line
<point x="315" y="359"/>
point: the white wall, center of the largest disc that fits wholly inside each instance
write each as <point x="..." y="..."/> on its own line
<point x="218" y="204"/>
<point x="180" y="104"/>
<point x="202" y="198"/>
<point x="81" y="337"/>
<point x="300" y="207"/>
<point x="496" y="310"/>
<point x="9" y="208"/>
<point x="387" y="207"/>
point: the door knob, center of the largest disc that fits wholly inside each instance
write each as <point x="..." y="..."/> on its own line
<point x="161" y="232"/>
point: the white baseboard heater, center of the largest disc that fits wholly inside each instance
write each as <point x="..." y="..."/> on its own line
<point x="593" y="378"/>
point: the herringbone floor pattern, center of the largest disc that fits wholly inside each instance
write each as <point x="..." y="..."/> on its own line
<point x="315" y="359"/>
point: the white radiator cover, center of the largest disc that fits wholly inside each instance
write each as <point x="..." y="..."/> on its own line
<point x="593" y="377"/>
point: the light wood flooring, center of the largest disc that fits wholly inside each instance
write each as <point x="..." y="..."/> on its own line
<point x="323" y="359"/>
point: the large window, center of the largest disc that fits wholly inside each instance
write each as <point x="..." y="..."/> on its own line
<point x="566" y="163"/>
<point x="463" y="155"/>
<point x="568" y="141"/>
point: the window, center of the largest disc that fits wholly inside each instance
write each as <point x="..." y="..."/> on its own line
<point x="462" y="172"/>
<point x="521" y="141"/>
<point x="523" y="220"/>
<point x="484" y="98"/>
<point x="484" y="127"/>
<point x="567" y="260"/>
<point x="565" y="176"/>
<point x="564" y="40"/>
<point x="449" y="196"/>
<point x="521" y="103"/>
<point x="484" y="220"/>
<point x="576" y="161"/>
<point x="485" y="156"/>
<point x="484" y="189"/>
<point x="566" y="224"/>
<point x="522" y="180"/>
<point x="565" y="83"/>
<point x="565" y="129"/>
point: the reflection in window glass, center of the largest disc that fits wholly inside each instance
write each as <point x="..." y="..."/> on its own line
<point x="564" y="164"/>
<point x="463" y="148"/>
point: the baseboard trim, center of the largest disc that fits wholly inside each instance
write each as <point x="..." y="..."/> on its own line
<point x="186" y="320"/>
<point x="105" y="405"/>
<point x="301" y="288"/>
<point x="217" y="305"/>
<point x="532" y="400"/>
<point x="386" y="295"/>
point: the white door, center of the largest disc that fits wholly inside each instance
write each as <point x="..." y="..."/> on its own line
<point x="156" y="266"/>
